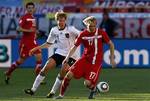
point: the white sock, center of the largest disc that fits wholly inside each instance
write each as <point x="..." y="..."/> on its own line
<point x="37" y="82"/>
<point x="56" y="85"/>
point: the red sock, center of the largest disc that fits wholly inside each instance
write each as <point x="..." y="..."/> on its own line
<point x="64" y="86"/>
<point x="38" y="67"/>
<point x="12" y="68"/>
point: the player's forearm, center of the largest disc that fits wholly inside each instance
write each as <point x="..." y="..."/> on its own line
<point x="72" y="50"/>
<point x="20" y="29"/>
<point x="45" y="45"/>
<point x="112" y="48"/>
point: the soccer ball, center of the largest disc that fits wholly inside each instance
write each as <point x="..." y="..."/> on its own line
<point x="103" y="87"/>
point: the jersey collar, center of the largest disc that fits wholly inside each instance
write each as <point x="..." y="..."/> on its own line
<point x="62" y="28"/>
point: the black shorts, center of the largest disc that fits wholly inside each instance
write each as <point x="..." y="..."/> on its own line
<point x="59" y="59"/>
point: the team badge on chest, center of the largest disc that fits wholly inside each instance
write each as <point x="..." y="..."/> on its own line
<point x="67" y="35"/>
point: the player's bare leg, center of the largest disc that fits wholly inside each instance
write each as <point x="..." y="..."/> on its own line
<point x="65" y="84"/>
<point x="38" y="63"/>
<point x="58" y="81"/>
<point x="49" y="65"/>
<point x="12" y="68"/>
<point x="92" y="88"/>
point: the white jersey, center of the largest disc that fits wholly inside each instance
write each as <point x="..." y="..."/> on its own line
<point x="64" y="39"/>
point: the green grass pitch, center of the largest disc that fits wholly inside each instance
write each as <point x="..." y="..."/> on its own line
<point x="125" y="85"/>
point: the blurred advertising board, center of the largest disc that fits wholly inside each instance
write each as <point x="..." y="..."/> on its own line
<point x="124" y="3"/>
<point x="10" y="3"/>
<point x="5" y="53"/>
<point x="13" y="11"/>
<point x="133" y="25"/>
<point x="128" y="53"/>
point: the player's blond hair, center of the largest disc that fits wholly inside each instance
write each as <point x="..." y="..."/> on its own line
<point x="89" y="20"/>
<point x="60" y="14"/>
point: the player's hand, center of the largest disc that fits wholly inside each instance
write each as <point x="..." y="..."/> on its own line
<point x="32" y="30"/>
<point x="113" y="63"/>
<point x="18" y="29"/>
<point x="32" y="51"/>
<point x="37" y="32"/>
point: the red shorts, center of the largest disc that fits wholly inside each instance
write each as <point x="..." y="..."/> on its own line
<point x="82" y="68"/>
<point x="24" y="49"/>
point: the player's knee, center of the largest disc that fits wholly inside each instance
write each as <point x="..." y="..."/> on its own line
<point x="37" y="70"/>
<point x="42" y="73"/>
<point x="21" y="60"/>
<point x="69" y="75"/>
<point x="45" y="69"/>
<point x="62" y="73"/>
<point x="60" y="77"/>
<point x="65" y="69"/>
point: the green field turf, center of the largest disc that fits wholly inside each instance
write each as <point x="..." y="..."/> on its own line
<point x="125" y="85"/>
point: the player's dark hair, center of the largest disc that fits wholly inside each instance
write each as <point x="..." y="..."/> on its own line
<point x="105" y="13"/>
<point x="30" y="3"/>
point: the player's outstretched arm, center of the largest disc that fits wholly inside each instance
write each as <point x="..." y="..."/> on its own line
<point x="20" y="29"/>
<point x="45" y="45"/>
<point x="112" y="56"/>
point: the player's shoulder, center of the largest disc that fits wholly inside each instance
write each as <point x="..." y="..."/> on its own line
<point x="101" y="31"/>
<point x="84" y="32"/>
<point x="70" y="27"/>
<point x="55" y="28"/>
<point x="73" y="29"/>
<point x="25" y="16"/>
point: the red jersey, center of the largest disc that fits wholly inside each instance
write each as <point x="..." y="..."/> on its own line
<point x="93" y="45"/>
<point x="27" y="22"/>
<point x="28" y="41"/>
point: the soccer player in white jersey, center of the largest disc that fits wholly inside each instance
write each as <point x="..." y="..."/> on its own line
<point x="64" y="37"/>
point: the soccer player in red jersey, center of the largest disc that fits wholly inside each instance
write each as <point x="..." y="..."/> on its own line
<point x="90" y="64"/>
<point x="27" y="25"/>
